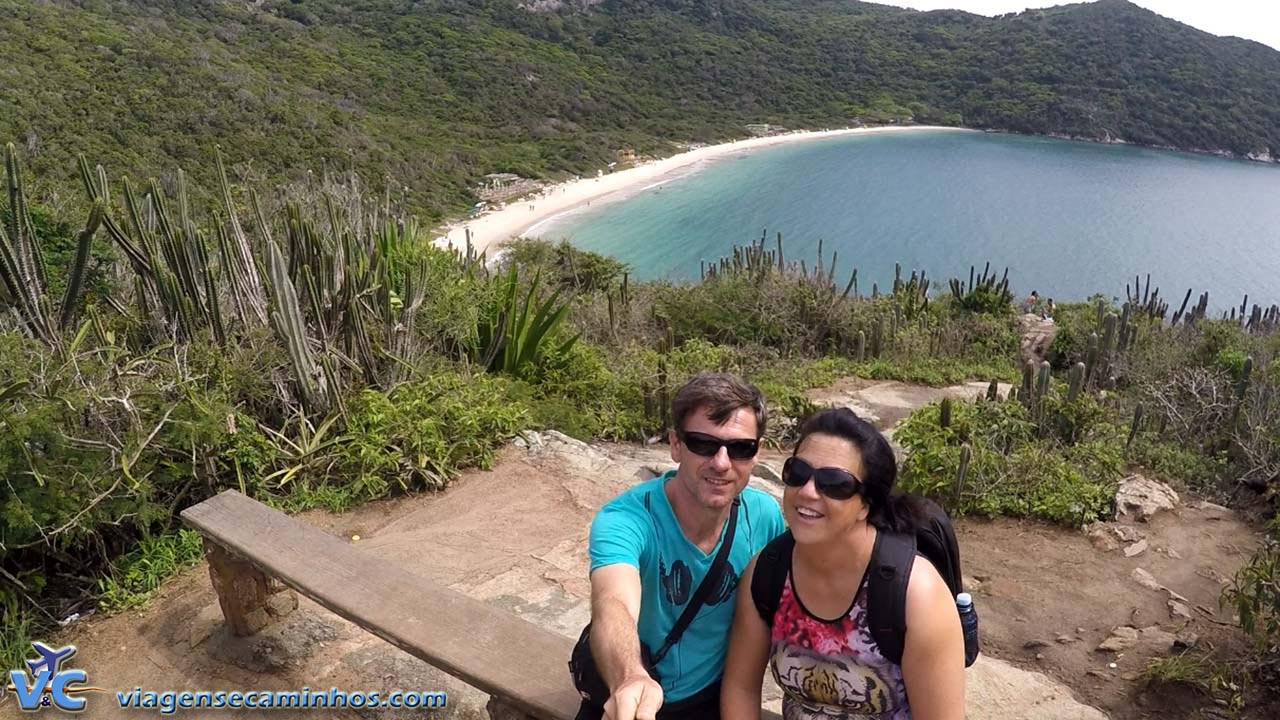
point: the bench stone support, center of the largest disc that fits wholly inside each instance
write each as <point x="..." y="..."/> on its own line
<point x="500" y="709"/>
<point x="250" y="599"/>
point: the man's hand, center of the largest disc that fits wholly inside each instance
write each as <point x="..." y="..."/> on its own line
<point x="637" y="697"/>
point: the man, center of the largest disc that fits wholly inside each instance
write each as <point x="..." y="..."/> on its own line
<point x="652" y="546"/>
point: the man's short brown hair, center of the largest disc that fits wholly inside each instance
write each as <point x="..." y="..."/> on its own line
<point x="720" y="394"/>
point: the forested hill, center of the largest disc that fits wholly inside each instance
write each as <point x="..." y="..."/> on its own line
<point x="435" y="93"/>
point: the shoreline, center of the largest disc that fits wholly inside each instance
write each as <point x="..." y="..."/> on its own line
<point x="519" y="217"/>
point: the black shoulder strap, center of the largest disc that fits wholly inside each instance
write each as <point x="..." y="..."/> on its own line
<point x="711" y="581"/>
<point x="770" y="575"/>
<point x="892" y="558"/>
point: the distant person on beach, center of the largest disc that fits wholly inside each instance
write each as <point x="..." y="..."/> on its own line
<point x="666" y="556"/>
<point x="816" y="614"/>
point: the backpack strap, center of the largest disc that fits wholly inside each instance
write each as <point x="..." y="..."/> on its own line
<point x="892" y="558"/>
<point x="770" y="576"/>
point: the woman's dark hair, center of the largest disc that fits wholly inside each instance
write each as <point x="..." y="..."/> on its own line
<point x="890" y="508"/>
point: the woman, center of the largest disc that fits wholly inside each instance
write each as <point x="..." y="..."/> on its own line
<point x="839" y="494"/>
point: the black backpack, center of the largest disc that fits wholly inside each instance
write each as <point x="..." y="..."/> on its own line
<point x="891" y="562"/>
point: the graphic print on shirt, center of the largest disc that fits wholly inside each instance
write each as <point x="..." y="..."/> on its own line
<point x="833" y="669"/>
<point x="677" y="583"/>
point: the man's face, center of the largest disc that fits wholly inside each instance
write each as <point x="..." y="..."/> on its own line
<point x="714" y="481"/>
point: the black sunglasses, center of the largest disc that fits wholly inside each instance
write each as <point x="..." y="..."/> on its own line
<point x="835" y="483"/>
<point x="708" y="446"/>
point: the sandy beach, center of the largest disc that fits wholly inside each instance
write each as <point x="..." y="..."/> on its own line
<point x="522" y="218"/>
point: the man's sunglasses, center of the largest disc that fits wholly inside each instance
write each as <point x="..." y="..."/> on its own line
<point x="708" y="446"/>
<point x="835" y="483"/>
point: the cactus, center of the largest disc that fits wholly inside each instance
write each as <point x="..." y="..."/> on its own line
<point x="664" y="401"/>
<point x="1242" y="388"/>
<point x="1091" y="358"/>
<point x="1136" y="425"/>
<point x="1127" y="330"/>
<point x="286" y="319"/>
<point x="944" y="413"/>
<point x="1076" y="382"/>
<point x="1108" y="345"/>
<point x="1035" y="399"/>
<point x="1182" y="310"/>
<point x="613" y="319"/>
<point x="23" y="278"/>
<point x="962" y="471"/>
<point x="1028" y="377"/>
<point x="862" y="346"/>
<point x="1100" y="309"/>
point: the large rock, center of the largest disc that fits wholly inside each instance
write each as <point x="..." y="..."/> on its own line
<point x="1142" y="498"/>
<point x="996" y="690"/>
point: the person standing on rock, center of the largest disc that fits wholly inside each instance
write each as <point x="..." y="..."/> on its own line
<point x="814" y="624"/>
<point x="666" y="557"/>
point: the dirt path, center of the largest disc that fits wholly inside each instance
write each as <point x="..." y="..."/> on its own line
<point x="516" y="537"/>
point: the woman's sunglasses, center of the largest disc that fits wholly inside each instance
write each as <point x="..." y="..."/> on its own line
<point x="835" y="483"/>
<point x="708" y="446"/>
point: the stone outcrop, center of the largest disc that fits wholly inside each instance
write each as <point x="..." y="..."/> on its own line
<point x="1140" y="497"/>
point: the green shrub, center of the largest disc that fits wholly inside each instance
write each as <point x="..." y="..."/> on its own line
<point x="422" y="432"/>
<point x="1012" y="471"/>
<point x="139" y="573"/>
<point x="1254" y="593"/>
<point x="567" y="266"/>
<point x="1183" y="466"/>
<point x="1074" y="323"/>
<point x="1231" y="361"/>
<point x="1217" y="336"/>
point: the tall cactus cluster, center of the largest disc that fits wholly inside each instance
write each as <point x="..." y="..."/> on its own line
<point x="23" y="275"/>
<point x="340" y="294"/>
<point x="755" y="262"/>
<point x="912" y="295"/>
<point x="986" y="282"/>
<point x="1144" y="300"/>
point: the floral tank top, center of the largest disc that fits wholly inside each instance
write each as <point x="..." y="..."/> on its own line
<point x="830" y="670"/>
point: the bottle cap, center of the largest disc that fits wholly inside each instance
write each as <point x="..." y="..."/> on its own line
<point x="964" y="599"/>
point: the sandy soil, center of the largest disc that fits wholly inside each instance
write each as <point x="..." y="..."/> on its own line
<point x="522" y="218"/>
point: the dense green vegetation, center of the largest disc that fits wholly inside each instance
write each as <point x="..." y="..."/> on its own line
<point x="424" y="98"/>
<point x="320" y="352"/>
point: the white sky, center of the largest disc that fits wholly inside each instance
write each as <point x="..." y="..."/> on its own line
<point x="1252" y="19"/>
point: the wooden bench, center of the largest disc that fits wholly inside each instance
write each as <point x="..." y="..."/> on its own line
<point x="250" y="546"/>
<point x="256" y="554"/>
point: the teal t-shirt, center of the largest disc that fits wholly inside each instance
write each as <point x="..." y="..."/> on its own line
<point x="671" y="567"/>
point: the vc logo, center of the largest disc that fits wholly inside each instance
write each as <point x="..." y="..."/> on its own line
<point x="48" y="684"/>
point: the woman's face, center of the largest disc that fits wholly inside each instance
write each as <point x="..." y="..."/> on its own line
<point x="812" y="516"/>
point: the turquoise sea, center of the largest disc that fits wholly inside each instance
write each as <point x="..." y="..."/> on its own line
<point x="1069" y="219"/>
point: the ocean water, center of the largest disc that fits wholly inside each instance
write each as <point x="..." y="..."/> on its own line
<point x="1068" y="219"/>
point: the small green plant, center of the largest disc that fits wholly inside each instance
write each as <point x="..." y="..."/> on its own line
<point x="1192" y="669"/>
<point x="518" y="333"/>
<point x="1254" y="593"/>
<point x="422" y="432"/>
<point x="140" y="572"/>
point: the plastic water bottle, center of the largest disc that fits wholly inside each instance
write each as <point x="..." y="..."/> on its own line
<point x="969" y="625"/>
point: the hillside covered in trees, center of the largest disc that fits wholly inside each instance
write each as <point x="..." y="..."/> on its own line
<point x="435" y="93"/>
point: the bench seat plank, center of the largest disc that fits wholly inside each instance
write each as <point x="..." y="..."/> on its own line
<point x="486" y="647"/>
